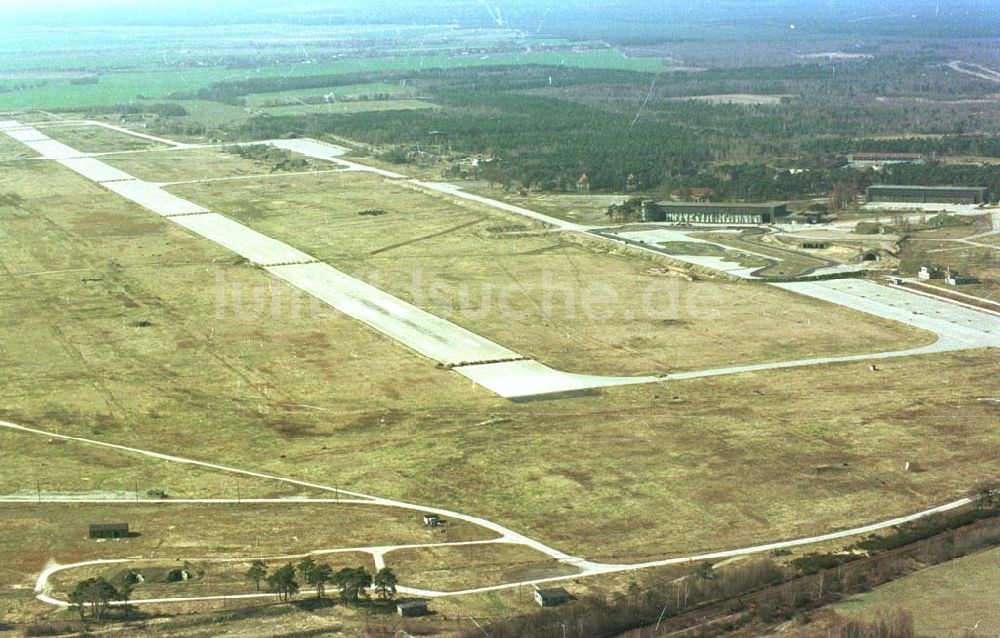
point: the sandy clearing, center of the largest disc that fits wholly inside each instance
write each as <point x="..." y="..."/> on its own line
<point x="740" y="99"/>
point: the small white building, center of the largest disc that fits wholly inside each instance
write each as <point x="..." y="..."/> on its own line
<point x="929" y="272"/>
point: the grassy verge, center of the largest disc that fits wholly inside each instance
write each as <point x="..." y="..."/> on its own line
<point x="468" y="566"/>
<point x="97" y="139"/>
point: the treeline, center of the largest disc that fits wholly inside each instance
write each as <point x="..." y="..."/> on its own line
<point x="233" y="92"/>
<point x="976" y="145"/>
<point x="550" y="125"/>
<point x="911" y="75"/>
<point x="163" y="109"/>
<point x="280" y="159"/>
<point x="543" y="142"/>
<point x="499" y="78"/>
<point x="937" y="174"/>
<point x="352" y="582"/>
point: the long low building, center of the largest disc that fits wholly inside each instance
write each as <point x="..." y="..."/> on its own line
<point x="713" y="213"/>
<point x="928" y="194"/>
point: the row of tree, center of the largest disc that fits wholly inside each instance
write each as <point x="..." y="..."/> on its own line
<point x="352" y="583"/>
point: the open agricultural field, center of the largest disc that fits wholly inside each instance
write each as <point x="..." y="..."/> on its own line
<point x="534" y="293"/>
<point x="153" y="80"/>
<point x="947" y="601"/>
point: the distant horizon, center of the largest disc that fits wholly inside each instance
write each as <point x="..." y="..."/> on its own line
<point x="614" y="21"/>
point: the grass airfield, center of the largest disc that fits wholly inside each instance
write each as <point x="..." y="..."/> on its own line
<point x="116" y="316"/>
<point x="567" y="303"/>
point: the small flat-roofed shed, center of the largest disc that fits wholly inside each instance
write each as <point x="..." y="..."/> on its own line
<point x="109" y="530"/>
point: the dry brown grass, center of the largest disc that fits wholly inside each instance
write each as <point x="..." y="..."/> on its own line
<point x="33" y="466"/>
<point x="626" y="474"/>
<point x="196" y="164"/>
<point x="11" y="149"/>
<point x="466" y="566"/>
<point x="568" y="304"/>
<point x="932" y="248"/>
<point x="97" y="139"/>
<point x="582" y="209"/>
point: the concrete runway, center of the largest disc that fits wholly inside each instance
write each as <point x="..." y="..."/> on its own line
<point x="479" y="359"/>
<point x="259" y="249"/>
<point x="152" y="197"/>
<point x="430" y="335"/>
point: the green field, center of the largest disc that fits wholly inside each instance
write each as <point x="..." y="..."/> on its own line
<point x="155" y="82"/>
<point x="951" y="600"/>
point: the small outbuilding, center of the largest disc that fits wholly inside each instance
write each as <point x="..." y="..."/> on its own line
<point x="958" y="280"/>
<point x="552" y="597"/>
<point x="930" y="272"/>
<point x="432" y="520"/>
<point x="113" y="531"/>
<point x="411" y="608"/>
<point x="178" y="576"/>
